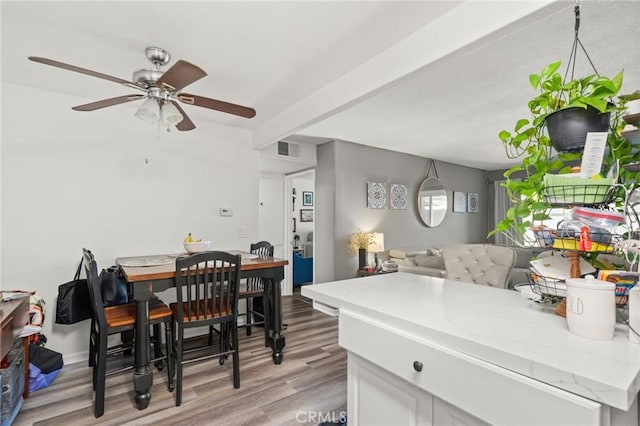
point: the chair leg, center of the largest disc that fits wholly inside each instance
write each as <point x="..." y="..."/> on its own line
<point x="127" y="337"/>
<point x="223" y="337"/>
<point x="157" y="345"/>
<point x="236" y="354"/>
<point x="178" y="356"/>
<point x="249" y="301"/>
<point x="210" y="341"/>
<point x="266" y="312"/>
<point x="99" y="378"/>
<point x="169" y="352"/>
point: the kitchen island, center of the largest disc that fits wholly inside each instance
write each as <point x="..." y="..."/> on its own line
<point x="425" y="350"/>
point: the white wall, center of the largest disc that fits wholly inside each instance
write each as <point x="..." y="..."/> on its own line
<point x="105" y="181"/>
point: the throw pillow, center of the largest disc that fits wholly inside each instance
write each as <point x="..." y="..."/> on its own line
<point x="436" y="262"/>
<point x="399" y="254"/>
<point x="434" y="252"/>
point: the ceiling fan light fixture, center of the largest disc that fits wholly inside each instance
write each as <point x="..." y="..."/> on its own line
<point x="170" y="114"/>
<point x="149" y="111"/>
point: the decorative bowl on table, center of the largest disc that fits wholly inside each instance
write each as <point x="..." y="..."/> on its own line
<point x="197" y="246"/>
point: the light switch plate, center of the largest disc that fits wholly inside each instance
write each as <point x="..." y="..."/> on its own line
<point x="226" y="212"/>
<point x="243" y="232"/>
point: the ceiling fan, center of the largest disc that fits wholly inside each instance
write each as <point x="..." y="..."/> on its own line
<point x="161" y="89"/>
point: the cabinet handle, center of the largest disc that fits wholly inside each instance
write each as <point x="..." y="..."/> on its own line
<point x="417" y="365"/>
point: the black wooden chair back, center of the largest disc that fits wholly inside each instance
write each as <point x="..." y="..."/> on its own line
<point x="206" y="295"/>
<point x="207" y="287"/>
<point x="252" y="290"/>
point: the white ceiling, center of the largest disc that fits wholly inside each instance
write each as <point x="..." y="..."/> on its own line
<point x="435" y="79"/>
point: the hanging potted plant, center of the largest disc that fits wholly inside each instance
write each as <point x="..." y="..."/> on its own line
<point x="552" y="139"/>
<point x="531" y="142"/>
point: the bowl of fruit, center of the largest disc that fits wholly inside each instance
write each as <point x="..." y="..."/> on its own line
<point x="193" y="245"/>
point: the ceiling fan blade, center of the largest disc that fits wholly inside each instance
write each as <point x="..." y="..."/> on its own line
<point x="107" y="102"/>
<point x="180" y="75"/>
<point x="186" y="123"/>
<point x="217" y="105"/>
<point x="83" y="71"/>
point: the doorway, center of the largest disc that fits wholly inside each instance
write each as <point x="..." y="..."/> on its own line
<point x="300" y="203"/>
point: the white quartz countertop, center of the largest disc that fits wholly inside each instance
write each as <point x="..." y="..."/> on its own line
<point x="497" y="326"/>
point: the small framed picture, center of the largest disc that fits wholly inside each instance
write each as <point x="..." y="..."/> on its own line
<point x="306" y="215"/>
<point x="307" y="198"/>
<point x="459" y="202"/>
<point x="472" y="202"/>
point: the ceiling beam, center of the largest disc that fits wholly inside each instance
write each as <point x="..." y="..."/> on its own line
<point x="461" y="26"/>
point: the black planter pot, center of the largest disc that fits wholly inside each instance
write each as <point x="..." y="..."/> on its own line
<point x="362" y="258"/>
<point x="568" y="128"/>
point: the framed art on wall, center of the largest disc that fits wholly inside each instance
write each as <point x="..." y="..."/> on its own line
<point x="306" y="215"/>
<point x="307" y="198"/>
<point x="472" y="202"/>
<point x="459" y="202"/>
<point x="376" y="195"/>
<point x="398" y="198"/>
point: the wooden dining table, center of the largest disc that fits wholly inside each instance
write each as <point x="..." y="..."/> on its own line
<point x="155" y="273"/>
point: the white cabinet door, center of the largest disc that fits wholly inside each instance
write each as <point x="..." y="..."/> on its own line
<point x="445" y="414"/>
<point x="376" y="397"/>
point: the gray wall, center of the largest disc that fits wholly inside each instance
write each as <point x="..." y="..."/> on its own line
<point x="325" y="201"/>
<point x="348" y="166"/>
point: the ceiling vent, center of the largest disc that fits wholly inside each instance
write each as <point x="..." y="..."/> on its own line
<point x="288" y="149"/>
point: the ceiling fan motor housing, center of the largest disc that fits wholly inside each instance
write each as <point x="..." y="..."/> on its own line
<point x="146" y="77"/>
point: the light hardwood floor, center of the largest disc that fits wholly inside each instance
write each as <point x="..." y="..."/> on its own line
<point x="310" y="385"/>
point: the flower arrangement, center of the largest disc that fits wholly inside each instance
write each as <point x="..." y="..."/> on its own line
<point x="359" y="240"/>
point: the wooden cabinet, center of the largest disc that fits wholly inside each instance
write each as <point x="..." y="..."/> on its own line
<point x="14" y="315"/>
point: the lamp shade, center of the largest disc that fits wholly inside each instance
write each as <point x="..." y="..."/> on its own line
<point x="170" y="114"/>
<point x="149" y="111"/>
<point x="377" y="243"/>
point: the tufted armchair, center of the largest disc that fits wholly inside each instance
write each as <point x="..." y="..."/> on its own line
<point x="482" y="264"/>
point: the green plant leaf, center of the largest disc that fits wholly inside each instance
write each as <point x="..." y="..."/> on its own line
<point x="550" y="69"/>
<point x="521" y="123"/>
<point x="541" y="216"/>
<point x="617" y="80"/>
<point x="504" y="136"/>
<point x="538" y="206"/>
<point x="534" y="80"/>
<point x="523" y="211"/>
<point x="599" y="104"/>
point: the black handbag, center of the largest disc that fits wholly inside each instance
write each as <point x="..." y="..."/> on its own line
<point x="73" y="304"/>
<point x="113" y="286"/>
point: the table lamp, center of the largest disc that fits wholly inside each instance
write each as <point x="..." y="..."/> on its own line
<point x="376" y="245"/>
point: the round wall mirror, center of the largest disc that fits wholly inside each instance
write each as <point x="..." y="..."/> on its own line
<point x="432" y="202"/>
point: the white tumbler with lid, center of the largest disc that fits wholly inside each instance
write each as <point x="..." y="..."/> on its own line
<point x="591" y="307"/>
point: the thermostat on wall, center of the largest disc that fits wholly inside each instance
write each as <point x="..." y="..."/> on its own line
<point x="226" y="212"/>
